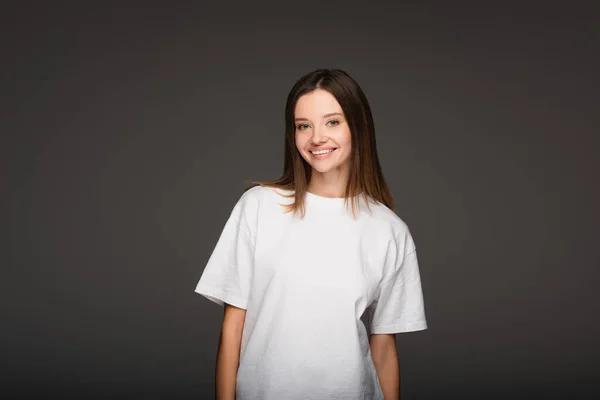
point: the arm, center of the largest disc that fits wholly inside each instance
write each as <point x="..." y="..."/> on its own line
<point x="228" y="355"/>
<point x="385" y="358"/>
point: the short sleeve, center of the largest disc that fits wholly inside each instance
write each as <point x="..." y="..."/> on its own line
<point x="228" y="273"/>
<point x="399" y="307"/>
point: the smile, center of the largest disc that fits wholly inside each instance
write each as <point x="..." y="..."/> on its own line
<point x="321" y="154"/>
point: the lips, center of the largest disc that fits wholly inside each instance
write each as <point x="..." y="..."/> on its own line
<point x="328" y="148"/>
<point x="323" y="156"/>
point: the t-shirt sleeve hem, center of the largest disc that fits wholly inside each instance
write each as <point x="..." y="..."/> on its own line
<point x="220" y="297"/>
<point x="400" y="327"/>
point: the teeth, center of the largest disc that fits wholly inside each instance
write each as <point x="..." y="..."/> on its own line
<point x="322" y="151"/>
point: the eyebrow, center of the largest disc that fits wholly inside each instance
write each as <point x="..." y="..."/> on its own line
<point x="324" y="116"/>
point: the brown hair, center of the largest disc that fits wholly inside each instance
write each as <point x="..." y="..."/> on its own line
<point x="365" y="176"/>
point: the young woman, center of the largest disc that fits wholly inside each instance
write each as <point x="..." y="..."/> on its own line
<point x="315" y="270"/>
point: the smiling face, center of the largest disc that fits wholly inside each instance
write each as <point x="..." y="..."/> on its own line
<point x="321" y="126"/>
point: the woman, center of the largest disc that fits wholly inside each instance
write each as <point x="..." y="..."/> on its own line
<point x="314" y="290"/>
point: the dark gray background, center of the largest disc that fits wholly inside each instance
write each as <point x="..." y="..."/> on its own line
<point x="129" y="131"/>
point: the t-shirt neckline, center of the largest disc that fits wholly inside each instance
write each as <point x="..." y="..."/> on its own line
<point x="331" y="204"/>
<point x="325" y="199"/>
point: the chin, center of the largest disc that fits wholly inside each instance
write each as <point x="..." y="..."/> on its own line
<point x="323" y="169"/>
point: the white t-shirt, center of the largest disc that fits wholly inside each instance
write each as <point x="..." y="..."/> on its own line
<point x="313" y="291"/>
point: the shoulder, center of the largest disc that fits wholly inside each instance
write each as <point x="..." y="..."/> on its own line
<point x="258" y="199"/>
<point x="393" y="226"/>
<point x="257" y="195"/>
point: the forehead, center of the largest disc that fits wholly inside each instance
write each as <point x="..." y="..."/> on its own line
<point x="317" y="102"/>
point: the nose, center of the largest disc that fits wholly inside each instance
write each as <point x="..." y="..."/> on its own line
<point x="317" y="137"/>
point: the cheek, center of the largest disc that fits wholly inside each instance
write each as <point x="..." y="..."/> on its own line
<point x="300" y="143"/>
<point x="346" y="139"/>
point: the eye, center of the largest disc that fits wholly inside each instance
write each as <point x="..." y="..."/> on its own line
<point x="299" y="127"/>
<point x="336" y="122"/>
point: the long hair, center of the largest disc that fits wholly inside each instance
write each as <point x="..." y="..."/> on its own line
<point x="366" y="176"/>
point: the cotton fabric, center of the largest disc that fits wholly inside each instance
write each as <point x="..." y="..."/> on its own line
<point x="313" y="290"/>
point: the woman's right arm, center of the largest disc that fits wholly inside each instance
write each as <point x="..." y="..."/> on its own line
<point x="228" y="355"/>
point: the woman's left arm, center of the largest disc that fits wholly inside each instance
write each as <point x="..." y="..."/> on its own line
<point x="385" y="358"/>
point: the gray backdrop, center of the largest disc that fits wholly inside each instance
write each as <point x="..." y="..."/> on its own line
<point x="129" y="131"/>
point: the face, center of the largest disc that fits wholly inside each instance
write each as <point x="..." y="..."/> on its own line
<point x="321" y="125"/>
